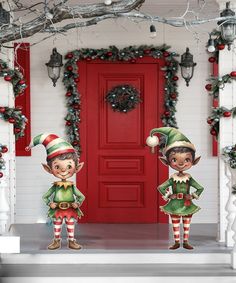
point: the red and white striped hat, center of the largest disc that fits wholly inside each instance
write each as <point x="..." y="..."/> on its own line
<point x="54" y="145"/>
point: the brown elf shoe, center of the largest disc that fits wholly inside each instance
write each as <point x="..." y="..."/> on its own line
<point x="56" y="244"/>
<point x="74" y="245"/>
<point x="187" y="246"/>
<point x="175" y="246"/>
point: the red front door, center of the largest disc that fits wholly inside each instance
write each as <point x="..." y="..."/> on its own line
<point x="121" y="174"/>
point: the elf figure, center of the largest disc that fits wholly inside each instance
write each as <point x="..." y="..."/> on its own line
<point x="63" y="198"/>
<point x="179" y="154"/>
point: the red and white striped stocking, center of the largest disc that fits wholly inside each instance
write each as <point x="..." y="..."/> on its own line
<point x="57" y="228"/>
<point x="70" y="228"/>
<point x="186" y="224"/>
<point x="176" y="227"/>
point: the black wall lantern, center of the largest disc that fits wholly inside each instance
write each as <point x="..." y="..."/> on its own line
<point x="227" y="27"/>
<point x="54" y="66"/>
<point x="187" y="66"/>
<point x="4" y="16"/>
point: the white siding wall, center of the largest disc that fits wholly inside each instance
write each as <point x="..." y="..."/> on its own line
<point x="48" y="109"/>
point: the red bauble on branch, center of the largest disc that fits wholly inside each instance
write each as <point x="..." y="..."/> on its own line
<point x="173" y="96"/>
<point x="209" y="121"/>
<point x="213" y="132"/>
<point x="175" y="78"/>
<point x="4" y="149"/>
<point x="68" y="94"/>
<point x="69" y="68"/>
<point x="166" y="54"/>
<point x="17" y="130"/>
<point x="227" y="114"/>
<point x="212" y="59"/>
<point x="74" y="143"/>
<point x="21" y="82"/>
<point x="233" y="74"/>
<point x="2" y="109"/>
<point x="68" y="123"/>
<point x="220" y="46"/>
<point x="208" y="87"/>
<point x="12" y="120"/>
<point x="7" y="78"/>
<point x="147" y="51"/>
<point x="69" y="55"/>
<point x="109" y="53"/>
<point x="167" y="113"/>
<point x="1" y="174"/>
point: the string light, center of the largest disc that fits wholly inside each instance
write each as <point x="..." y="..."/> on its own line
<point x="211" y="45"/>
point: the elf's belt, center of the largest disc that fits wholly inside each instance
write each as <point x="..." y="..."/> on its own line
<point x="64" y="205"/>
<point x="186" y="197"/>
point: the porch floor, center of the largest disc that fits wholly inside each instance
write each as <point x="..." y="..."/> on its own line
<point x="117" y="250"/>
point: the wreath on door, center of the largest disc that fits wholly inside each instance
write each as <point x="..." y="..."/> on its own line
<point x="123" y="98"/>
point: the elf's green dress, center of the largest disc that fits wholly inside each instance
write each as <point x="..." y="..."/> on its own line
<point x="180" y="186"/>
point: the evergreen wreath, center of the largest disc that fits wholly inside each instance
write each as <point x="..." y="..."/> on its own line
<point x="129" y="54"/>
<point x="123" y="98"/>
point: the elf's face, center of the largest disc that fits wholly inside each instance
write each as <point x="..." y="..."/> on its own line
<point x="180" y="161"/>
<point x="63" y="169"/>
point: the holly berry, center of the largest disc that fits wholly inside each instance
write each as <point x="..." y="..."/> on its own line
<point x="167" y="113"/>
<point x="7" y="78"/>
<point x="17" y="130"/>
<point x="69" y="68"/>
<point x="69" y="55"/>
<point x="220" y="46"/>
<point x="21" y="82"/>
<point x="208" y="87"/>
<point x="109" y="53"/>
<point x="233" y="74"/>
<point x="1" y="174"/>
<point x="227" y="114"/>
<point x="76" y="80"/>
<point x="4" y="149"/>
<point x="175" y="78"/>
<point x="2" y="109"/>
<point x="212" y="59"/>
<point x="166" y="54"/>
<point x="68" y="94"/>
<point x="68" y="123"/>
<point x="12" y="120"/>
<point x="147" y="51"/>
<point x="213" y="132"/>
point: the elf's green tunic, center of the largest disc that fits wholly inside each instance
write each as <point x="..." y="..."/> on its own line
<point x="63" y="192"/>
<point x="180" y="185"/>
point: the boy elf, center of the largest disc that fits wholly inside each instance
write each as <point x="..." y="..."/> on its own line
<point x="63" y="198"/>
<point x="179" y="154"/>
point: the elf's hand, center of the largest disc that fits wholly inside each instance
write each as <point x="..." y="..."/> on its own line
<point x="53" y="205"/>
<point x="75" y="205"/>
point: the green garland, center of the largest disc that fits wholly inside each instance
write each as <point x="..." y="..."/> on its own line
<point x="128" y="54"/>
<point x="15" y="77"/>
<point x="15" y="117"/>
<point x="3" y="149"/>
<point x="214" y="119"/>
<point x="123" y="98"/>
<point x="229" y="153"/>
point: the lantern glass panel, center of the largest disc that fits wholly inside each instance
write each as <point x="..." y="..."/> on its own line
<point x="228" y="31"/>
<point x="54" y="72"/>
<point x="187" y="72"/>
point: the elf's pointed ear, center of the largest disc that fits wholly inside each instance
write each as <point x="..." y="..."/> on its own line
<point x="79" y="167"/>
<point x="196" y="160"/>
<point x="164" y="160"/>
<point x="47" y="168"/>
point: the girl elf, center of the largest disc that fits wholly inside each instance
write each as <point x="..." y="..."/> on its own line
<point x="63" y="198"/>
<point x="179" y="154"/>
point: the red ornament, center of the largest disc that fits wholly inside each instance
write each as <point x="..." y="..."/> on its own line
<point x="17" y="130"/>
<point x="19" y="107"/>
<point x="76" y="106"/>
<point x="12" y="120"/>
<point x="21" y="82"/>
<point x="69" y="68"/>
<point x="76" y="80"/>
<point x="147" y="51"/>
<point x="133" y="60"/>
<point x="212" y="59"/>
<point x="4" y="149"/>
<point x="208" y="87"/>
<point x="220" y="46"/>
<point x="74" y="143"/>
<point x="69" y="55"/>
<point x="2" y="109"/>
<point x="68" y="123"/>
<point x="1" y="174"/>
<point x="166" y="54"/>
<point x="173" y="96"/>
<point x="68" y="94"/>
<point x="167" y="113"/>
<point x="209" y="121"/>
<point x="167" y="63"/>
<point x="109" y="53"/>
<point x="233" y="74"/>
<point x="227" y="114"/>
<point x="213" y="132"/>
<point x="175" y="78"/>
<point x="7" y="78"/>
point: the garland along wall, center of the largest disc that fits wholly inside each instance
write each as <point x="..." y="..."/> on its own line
<point x="48" y="109"/>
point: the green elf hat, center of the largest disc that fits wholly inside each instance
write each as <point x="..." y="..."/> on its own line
<point x="54" y="145"/>
<point x="174" y="138"/>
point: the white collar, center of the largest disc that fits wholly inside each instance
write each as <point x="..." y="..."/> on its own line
<point x="180" y="179"/>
